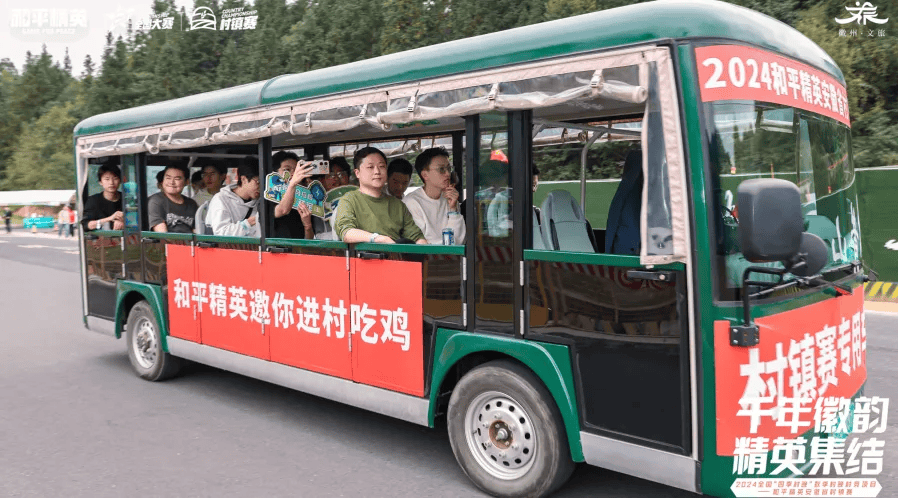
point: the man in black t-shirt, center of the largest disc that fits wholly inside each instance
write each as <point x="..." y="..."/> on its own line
<point x="288" y="222"/>
<point x="168" y="210"/>
<point x="104" y="210"/>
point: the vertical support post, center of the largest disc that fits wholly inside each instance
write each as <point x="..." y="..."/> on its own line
<point x="520" y="139"/>
<point x="472" y="159"/>
<point x="141" y="181"/>
<point x="458" y="161"/>
<point x="265" y="221"/>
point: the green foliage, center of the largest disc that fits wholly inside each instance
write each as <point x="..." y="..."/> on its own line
<point x="562" y="162"/>
<point x="411" y="24"/>
<point x="43" y="155"/>
<point x="143" y="67"/>
<point x="869" y="65"/>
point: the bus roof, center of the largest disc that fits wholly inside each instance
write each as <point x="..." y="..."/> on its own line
<point x="632" y="24"/>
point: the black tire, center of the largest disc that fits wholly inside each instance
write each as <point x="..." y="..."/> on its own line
<point x="505" y="396"/>
<point x="145" y="346"/>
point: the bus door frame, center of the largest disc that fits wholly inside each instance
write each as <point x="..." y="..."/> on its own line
<point x="101" y="243"/>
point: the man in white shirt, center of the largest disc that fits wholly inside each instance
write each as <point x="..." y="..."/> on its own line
<point x="233" y="211"/>
<point x="435" y="205"/>
<point x="213" y="177"/>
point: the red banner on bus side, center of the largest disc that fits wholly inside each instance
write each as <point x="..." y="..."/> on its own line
<point x="305" y="311"/>
<point x="771" y="390"/>
<point x="735" y="72"/>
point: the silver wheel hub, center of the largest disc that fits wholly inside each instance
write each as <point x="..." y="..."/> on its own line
<point x="500" y="435"/>
<point x="144" y="343"/>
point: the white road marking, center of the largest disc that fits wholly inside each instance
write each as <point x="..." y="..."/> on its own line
<point x="34" y="246"/>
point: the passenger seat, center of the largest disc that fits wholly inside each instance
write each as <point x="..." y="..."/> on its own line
<point x="622" y="231"/>
<point x="564" y="225"/>
<point x="199" y="220"/>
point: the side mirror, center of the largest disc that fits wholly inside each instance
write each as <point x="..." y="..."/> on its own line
<point x="770" y="219"/>
<point x="813" y="252"/>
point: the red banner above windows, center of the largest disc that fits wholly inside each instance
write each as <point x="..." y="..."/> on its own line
<point x="735" y="72"/>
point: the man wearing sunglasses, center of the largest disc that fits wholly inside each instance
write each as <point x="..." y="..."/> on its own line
<point x="338" y="176"/>
<point x="434" y="207"/>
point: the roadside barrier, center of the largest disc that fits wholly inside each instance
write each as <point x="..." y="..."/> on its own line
<point x="881" y="291"/>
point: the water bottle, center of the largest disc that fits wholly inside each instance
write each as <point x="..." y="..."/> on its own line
<point x="448" y="237"/>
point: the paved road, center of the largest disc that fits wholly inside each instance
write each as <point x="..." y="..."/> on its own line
<point x="75" y="421"/>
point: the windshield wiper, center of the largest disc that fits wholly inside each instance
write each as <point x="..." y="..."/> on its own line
<point x="818" y="281"/>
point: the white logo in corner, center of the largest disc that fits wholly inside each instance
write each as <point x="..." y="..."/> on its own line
<point x="892" y="244"/>
<point x="861" y="14"/>
<point x="202" y="18"/>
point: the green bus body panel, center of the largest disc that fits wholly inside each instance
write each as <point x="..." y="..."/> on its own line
<point x="632" y="24"/>
<point x="323" y="244"/>
<point x="550" y="362"/>
<point x="591" y="258"/>
<point x="152" y="294"/>
<point x="167" y="235"/>
<point x="412" y="248"/>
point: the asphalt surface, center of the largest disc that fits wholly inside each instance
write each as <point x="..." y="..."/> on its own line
<point x="75" y="420"/>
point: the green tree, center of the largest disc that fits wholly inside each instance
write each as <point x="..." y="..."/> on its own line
<point x="112" y="88"/>
<point x="476" y="17"/>
<point x="409" y="24"/>
<point x="43" y="154"/>
<point x="868" y="65"/>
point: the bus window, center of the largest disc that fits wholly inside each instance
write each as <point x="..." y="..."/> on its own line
<point x="492" y="200"/>
<point x="571" y="214"/>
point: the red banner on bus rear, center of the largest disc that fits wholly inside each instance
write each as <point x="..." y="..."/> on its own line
<point x="735" y="72"/>
<point x="771" y="390"/>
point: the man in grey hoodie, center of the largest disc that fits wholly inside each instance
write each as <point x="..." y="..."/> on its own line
<point x="233" y="210"/>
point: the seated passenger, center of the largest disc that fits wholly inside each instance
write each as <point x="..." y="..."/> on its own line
<point x="233" y="211"/>
<point x="434" y="206"/>
<point x="291" y="223"/>
<point x="366" y="214"/>
<point x="104" y="210"/>
<point x="196" y="182"/>
<point x="213" y="177"/>
<point x="168" y="210"/>
<point x="398" y="175"/>
<point x="338" y="177"/>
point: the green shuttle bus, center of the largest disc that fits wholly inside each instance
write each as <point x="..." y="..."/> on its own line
<point x="660" y="274"/>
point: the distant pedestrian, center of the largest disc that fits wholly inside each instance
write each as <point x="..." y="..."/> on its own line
<point x="73" y="218"/>
<point x="62" y="219"/>
<point x="7" y="218"/>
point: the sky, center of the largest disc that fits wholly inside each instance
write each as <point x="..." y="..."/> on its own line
<point x="80" y="25"/>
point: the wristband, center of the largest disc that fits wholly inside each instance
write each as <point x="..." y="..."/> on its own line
<point x="373" y="236"/>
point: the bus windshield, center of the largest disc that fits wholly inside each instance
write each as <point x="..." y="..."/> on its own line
<point x="753" y="139"/>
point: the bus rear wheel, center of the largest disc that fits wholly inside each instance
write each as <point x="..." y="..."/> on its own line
<point x="506" y="431"/>
<point x="145" y="345"/>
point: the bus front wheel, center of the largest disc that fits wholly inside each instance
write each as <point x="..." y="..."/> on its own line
<point x="145" y="345"/>
<point x="506" y="431"/>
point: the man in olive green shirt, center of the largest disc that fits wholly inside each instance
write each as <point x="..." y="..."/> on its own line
<point x="367" y="214"/>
